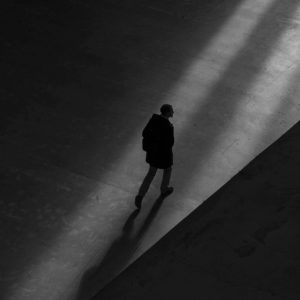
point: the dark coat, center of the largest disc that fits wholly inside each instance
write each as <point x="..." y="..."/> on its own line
<point x="158" y="140"/>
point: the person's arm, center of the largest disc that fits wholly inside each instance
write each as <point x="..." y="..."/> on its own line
<point x="150" y="137"/>
<point x="168" y="137"/>
<point x="148" y="131"/>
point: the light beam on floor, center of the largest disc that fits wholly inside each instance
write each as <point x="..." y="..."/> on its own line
<point x="205" y="70"/>
<point x="264" y="96"/>
<point x="62" y="266"/>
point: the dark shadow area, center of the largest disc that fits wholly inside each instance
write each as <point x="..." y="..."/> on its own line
<point x="118" y="255"/>
<point x="220" y="105"/>
<point x="46" y="130"/>
<point x="256" y="213"/>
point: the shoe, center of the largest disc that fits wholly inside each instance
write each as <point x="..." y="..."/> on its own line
<point x="138" y="201"/>
<point x="167" y="192"/>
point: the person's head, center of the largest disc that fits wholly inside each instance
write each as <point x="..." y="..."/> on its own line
<point x="167" y="110"/>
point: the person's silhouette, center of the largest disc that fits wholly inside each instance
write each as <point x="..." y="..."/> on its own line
<point x="158" y="140"/>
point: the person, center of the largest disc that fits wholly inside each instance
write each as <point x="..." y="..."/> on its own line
<point x="158" y="140"/>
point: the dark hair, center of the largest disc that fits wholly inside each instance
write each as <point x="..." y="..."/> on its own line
<point x="165" y="108"/>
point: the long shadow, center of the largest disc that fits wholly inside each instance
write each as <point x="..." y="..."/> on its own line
<point x="227" y="95"/>
<point x="45" y="49"/>
<point x="117" y="256"/>
<point x="29" y="84"/>
<point x="264" y="205"/>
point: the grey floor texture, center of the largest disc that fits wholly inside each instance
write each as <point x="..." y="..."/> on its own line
<point x="241" y="243"/>
<point x="79" y="81"/>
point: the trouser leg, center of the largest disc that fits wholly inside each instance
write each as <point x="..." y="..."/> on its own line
<point x="147" y="181"/>
<point x="166" y="179"/>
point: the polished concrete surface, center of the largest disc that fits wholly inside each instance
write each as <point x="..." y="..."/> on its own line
<point x="80" y="80"/>
<point x="242" y="243"/>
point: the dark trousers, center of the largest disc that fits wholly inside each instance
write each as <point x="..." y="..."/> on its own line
<point x="149" y="178"/>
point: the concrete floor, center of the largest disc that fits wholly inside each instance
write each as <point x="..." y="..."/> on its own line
<point x="242" y="243"/>
<point x="79" y="82"/>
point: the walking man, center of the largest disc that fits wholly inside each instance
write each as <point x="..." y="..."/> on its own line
<point x="158" y="140"/>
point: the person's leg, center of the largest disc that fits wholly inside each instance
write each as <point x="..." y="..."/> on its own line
<point x="147" y="181"/>
<point x="166" y="180"/>
<point x="145" y="186"/>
